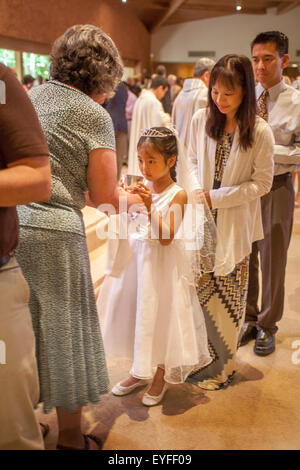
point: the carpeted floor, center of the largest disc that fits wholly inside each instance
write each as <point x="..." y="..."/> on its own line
<point x="260" y="410"/>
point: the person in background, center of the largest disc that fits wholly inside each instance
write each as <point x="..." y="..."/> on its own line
<point x="130" y="103"/>
<point x="279" y="105"/>
<point x="287" y="80"/>
<point x="28" y="82"/>
<point x="24" y="177"/>
<point x="180" y="81"/>
<point x="296" y="83"/>
<point x="148" y="112"/>
<point x="161" y="71"/>
<point x="146" y="78"/>
<point x="192" y="97"/>
<point x="177" y="88"/>
<point x="116" y="107"/>
<point x="174" y="88"/>
<point x="136" y="89"/>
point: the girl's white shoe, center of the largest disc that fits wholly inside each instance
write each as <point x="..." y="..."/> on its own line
<point x="152" y="400"/>
<point x="119" y="390"/>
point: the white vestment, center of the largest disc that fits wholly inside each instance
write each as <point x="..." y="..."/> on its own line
<point x="192" y="97"/>
<point x="148" y="112"/>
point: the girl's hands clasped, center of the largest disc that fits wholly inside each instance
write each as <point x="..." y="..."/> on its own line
<point x="145" y="194"/>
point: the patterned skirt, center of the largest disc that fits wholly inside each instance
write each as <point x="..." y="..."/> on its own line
<point x="223" y="300"/>
<point x="70" y="355"/>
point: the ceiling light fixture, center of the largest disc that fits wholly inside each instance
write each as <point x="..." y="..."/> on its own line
<point x="238" y="5"/>
<point x="124" y="1"/>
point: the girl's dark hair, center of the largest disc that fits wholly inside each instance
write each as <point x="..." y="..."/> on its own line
<point x="166" y="145"/>
<point x="232" y="70"/>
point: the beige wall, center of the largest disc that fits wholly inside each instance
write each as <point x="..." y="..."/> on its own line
<point x="180" y="69"/>
<point x="33" y="25"/>
<point x="224" y="35"/>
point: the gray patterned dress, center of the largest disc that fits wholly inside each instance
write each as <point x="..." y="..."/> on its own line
<point x="223" y="301"/>
<point x="53" y="252"/>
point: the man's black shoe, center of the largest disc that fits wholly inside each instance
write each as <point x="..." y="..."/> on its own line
<point x="265" y="343"/>
<point x="248" y="332"/>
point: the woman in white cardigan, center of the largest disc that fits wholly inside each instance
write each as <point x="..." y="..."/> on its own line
<point x="230" y="161"/>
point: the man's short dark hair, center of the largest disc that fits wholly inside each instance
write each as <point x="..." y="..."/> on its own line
<point x="27" y="79"/>
<point x="159" y="81"/>
<point x="279" y="39"/>
<point x="161" y="70"/>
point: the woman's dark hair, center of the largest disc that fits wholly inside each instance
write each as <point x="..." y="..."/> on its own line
<point x="232" y="70"/>
<point x="85" y="57"/>
<point x="164" y="142"/>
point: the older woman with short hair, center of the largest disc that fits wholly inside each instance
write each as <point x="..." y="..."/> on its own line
<point x="85" y="68"/>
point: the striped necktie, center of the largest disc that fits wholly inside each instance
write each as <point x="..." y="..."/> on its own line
<point x="262" y="108"/>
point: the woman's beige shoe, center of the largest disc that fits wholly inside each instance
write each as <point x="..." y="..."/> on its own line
<point x="119" y="390"/>
<point x="152" y="400"/>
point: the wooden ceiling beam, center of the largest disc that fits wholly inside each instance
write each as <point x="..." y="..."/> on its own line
<point x="228" y="3"/>
<point x="174" y="5"/>
<point x="155" y="13"/>
<point x="205" y="2"/>
<point x="147" y="5"/>
<point x="284" y="7"/>
<point x="175" y="20"/>
<point x="208" y="7"/>
<point x="232" y="2"/>
<point x="221" y="9"/>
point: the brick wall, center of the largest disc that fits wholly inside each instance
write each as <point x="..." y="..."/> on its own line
<point x="33" y="25"/>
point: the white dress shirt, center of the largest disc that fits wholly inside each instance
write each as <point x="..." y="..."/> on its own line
<point x="148" y="112"/>
<point x="284" y="118"/>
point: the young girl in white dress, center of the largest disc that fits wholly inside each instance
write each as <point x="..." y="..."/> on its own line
<point x="150" y="311"/>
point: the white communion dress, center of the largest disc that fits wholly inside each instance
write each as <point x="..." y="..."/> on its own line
<point x="148" y="308"/>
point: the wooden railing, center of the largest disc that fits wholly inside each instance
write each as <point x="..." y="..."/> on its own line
<point x="96" y="247"/>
